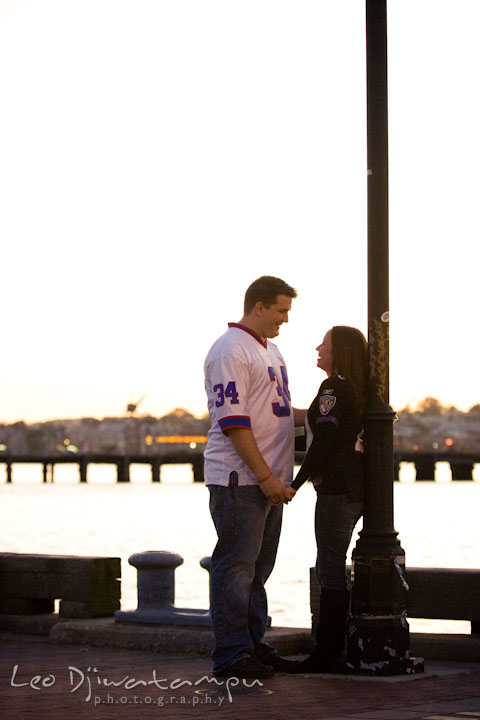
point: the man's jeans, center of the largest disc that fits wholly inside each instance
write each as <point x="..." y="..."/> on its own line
<point x="335" y="520"/>
<point x="248" y="530"/>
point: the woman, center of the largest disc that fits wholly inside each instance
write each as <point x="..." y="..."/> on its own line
<point x="334" y="462"/>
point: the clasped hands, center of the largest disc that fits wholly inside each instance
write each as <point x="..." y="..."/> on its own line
<point x="276" y="491"/>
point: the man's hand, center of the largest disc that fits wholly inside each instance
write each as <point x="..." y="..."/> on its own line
<point x="245" y="445"/>
<point x="276" y="491"/>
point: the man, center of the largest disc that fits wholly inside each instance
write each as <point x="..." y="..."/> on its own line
<point x="248" y="467"/>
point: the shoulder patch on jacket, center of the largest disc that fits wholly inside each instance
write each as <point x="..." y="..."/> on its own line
<point x="326" y="403"/>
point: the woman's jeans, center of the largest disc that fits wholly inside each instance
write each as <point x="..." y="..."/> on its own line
<point x="335" y="520"/>
<point x="248" y="530"/>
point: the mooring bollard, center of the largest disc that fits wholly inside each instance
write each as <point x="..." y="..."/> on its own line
<point x="155" y="577"/>
<point x="156" y="592"/>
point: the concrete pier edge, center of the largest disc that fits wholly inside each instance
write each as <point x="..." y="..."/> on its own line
<point x="197" y="641"/>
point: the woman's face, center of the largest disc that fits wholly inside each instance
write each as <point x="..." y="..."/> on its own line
<point x="325" y="354"/>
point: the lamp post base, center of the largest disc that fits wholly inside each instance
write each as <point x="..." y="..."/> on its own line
<point x="380" y="646"/>
<point x="378" y="636"/>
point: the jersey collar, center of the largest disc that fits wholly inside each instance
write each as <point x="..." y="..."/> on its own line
<point x="250" y="332"/>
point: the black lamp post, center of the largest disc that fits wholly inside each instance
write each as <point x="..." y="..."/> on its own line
<point x="378" y="633"/>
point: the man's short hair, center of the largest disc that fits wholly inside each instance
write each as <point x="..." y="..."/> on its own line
<point x="266" y="290"/>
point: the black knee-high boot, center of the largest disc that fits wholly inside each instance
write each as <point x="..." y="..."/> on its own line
<point x="330" y="634"/>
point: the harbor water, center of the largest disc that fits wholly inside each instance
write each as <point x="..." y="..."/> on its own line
<point x="437" y="524"/>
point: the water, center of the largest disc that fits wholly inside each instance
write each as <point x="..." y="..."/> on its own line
<point x="437" y="523"/>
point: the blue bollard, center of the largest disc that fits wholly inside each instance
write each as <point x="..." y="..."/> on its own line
<point x="156" y="592"/>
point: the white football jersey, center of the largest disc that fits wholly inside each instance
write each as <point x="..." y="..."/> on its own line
<point x="247" y="387"/>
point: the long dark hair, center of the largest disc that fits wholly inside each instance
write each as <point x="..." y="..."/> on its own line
<point x="350" y="360"/>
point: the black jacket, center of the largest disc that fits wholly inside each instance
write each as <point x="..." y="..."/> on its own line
<point x="333" y="461"/>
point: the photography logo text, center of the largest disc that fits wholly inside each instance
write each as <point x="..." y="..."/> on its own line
<point x="96" y="687"/>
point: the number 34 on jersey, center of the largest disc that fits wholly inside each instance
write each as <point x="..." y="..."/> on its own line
<point x="281" y="408"/>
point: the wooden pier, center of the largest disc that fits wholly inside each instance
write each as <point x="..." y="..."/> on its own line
<point x="461" y="464"/>
<point x="122" y="463"/>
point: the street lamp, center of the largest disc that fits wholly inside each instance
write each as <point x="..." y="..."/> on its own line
<point x="378" y="638"/>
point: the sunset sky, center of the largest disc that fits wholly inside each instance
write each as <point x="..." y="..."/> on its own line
<point x="156" y="156"/>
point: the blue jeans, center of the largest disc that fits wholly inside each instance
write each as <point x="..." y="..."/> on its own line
<point x="335" y="520"/>
<point x="248" y="530"/>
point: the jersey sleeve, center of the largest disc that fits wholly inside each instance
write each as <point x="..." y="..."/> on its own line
<point x="330" y="412"/>
<point x="325" y="416"/>
<point x="228" y="392"/>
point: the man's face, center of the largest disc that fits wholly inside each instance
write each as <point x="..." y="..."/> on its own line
<point x="272" y="317"/>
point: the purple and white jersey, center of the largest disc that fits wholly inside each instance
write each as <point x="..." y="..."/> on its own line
<point x="247" y="387"/>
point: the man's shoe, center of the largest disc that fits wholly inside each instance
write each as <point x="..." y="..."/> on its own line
<point x="247" y="667"/>
<point x="278" y="663"/>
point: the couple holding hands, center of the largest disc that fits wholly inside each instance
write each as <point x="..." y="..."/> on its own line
<point x="249" y="462"/>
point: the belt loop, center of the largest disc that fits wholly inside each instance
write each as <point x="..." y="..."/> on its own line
<point x="233" y="479"/>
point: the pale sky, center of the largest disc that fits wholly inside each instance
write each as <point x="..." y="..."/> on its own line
<point x="158" y="156"/>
